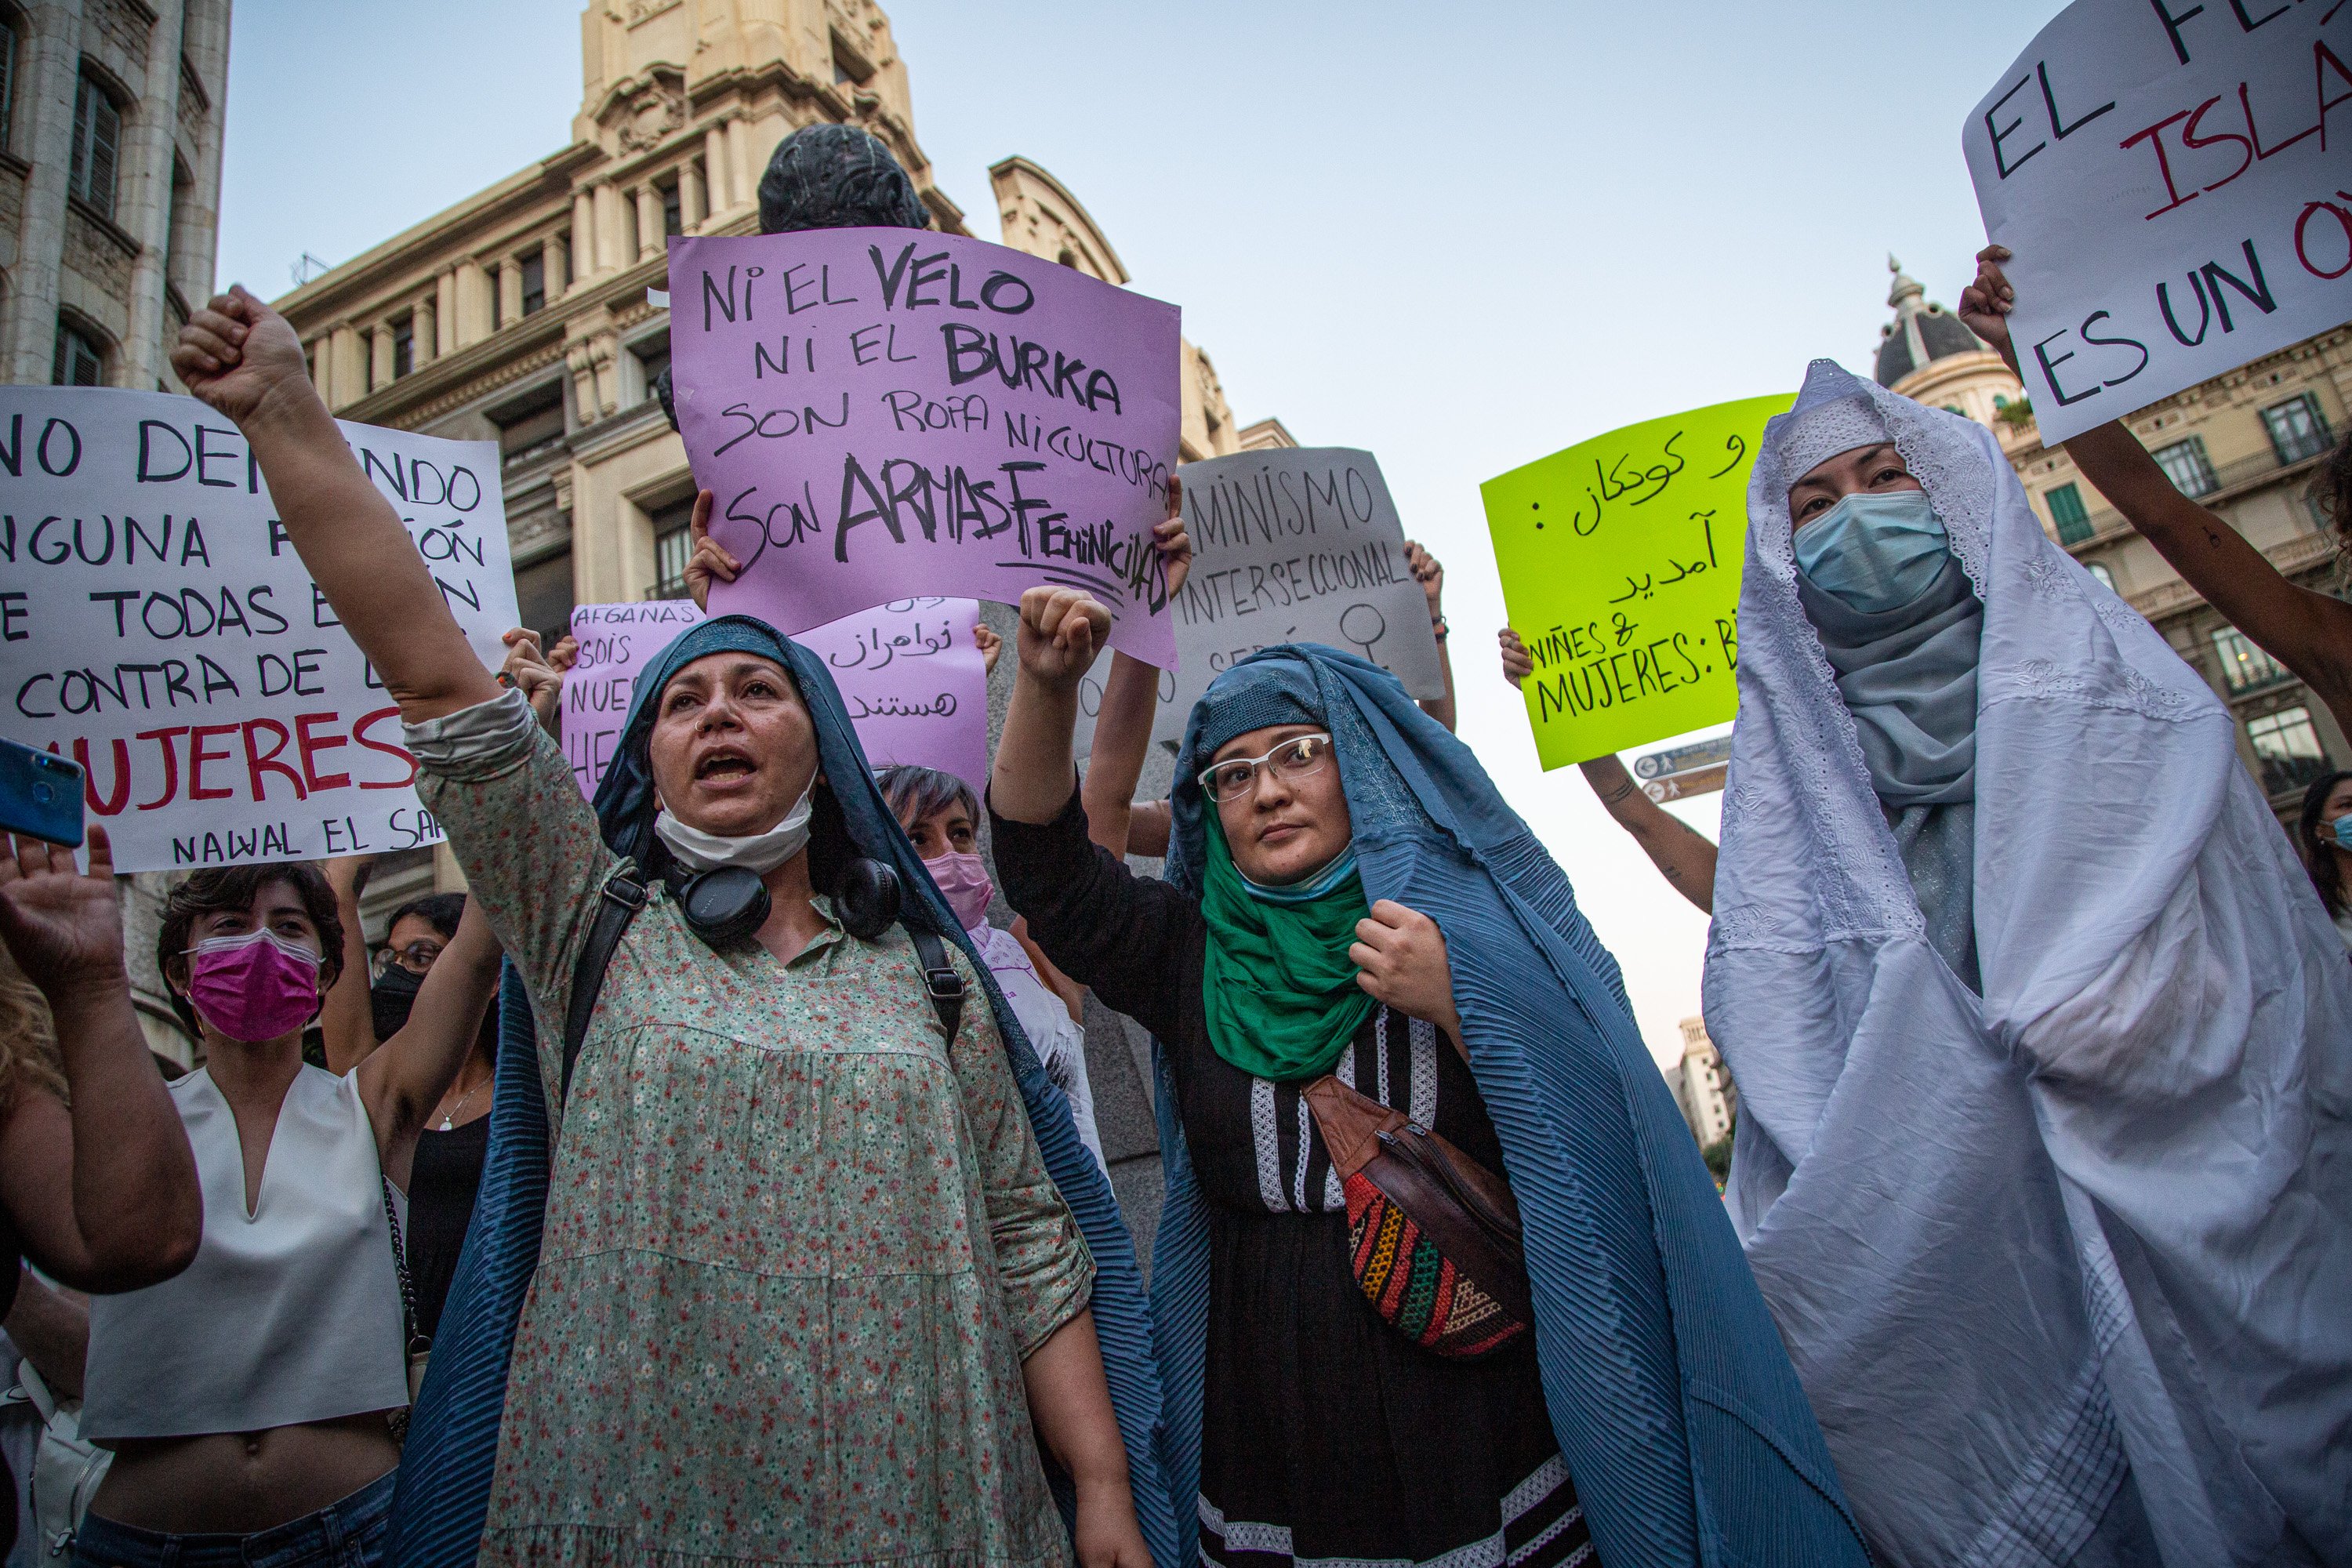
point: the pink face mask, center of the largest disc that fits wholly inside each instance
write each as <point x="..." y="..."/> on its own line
<point x="253" y="987"/>
<point x="964" y="880"/>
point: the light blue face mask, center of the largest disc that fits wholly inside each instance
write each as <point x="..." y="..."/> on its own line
<point x="1875" y="552"/>
<point x="2342" y="828"/>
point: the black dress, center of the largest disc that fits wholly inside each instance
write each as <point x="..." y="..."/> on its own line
<point x="442" y="1185"/>
<point x="1327" y="1436"/>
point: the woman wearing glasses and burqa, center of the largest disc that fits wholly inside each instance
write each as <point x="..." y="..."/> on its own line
<point x="1440" y="1274"/>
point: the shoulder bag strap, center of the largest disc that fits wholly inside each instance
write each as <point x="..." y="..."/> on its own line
<point x="940" y="979"/>
<point x="624" y="895"/>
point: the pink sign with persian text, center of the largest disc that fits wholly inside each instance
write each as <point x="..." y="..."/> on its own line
<point x="882" y="412"/>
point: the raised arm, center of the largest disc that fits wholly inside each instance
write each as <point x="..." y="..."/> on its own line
<point x="1683" y="855"/>
<point x="1430" y="575"/>
<point x="347" y="1016"/>
<point x="105" y="1195"/>
<point x="2310" y="633"/>
<point x="1130" y="705"/>
<point x="243" y="359"/>
<point x="1061" y="629"/>
<point x="407" y="1075"/>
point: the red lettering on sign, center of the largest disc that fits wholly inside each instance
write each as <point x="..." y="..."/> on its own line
<point x="198" y="757"/>
<point x="311" y="745"/>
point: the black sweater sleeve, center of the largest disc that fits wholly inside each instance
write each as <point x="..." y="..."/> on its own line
<point x="1124" y="935"/>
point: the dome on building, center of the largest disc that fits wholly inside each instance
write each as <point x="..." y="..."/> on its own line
<point x="1920" y="334"/>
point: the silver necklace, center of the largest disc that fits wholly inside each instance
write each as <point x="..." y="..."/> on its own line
<point x="448" y="1120"/>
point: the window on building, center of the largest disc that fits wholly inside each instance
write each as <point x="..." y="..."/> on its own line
<point x="2099" y="569"/>
<point x="544" y="596"/>
<point x="2065" y="503"/>
<point x="2243" y="666"/>
<point x="2185" y="463"/>
<point x="97" y="132"/>
<point x="2287" y="749"/>
<point x="673" y="548"/>
<point x="2298" y="428"/>
<point x="403" y="346"/>
<point x="653" y="358"/>
<point x="534" y="283"/>
<point x="531" y="421"/>
<point x="9" y="32"/>
<point x="673" y="214"/>
<point x="79" y="360"/>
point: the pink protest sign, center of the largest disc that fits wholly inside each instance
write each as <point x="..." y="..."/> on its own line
<point x="910" y="675"/>
<point x="914" y="683"/>
<point x="887" y="410"/>
<point x="616" y="642"/>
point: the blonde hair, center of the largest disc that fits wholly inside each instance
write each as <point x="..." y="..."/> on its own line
<point x="28" y="1037"/>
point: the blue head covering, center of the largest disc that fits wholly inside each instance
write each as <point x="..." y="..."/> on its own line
<point x="1676" y="1408"/>
<point x="443" y="1492"/>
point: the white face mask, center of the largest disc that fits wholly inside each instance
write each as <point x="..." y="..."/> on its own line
<point x="758" y="853"/>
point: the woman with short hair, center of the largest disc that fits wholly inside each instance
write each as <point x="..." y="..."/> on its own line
<point x="250" y="1397"/>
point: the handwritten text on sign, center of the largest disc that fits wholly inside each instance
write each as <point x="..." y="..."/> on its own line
<point x="157" y="627"/>
<point x="911" y="679"/>
<point x="1620" y="560"/>
<point x="1294" y="544"/>
<point x="2176" y="182"/>
<point x="886" y="410"/>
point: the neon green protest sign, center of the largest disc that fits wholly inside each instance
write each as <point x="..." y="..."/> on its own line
<point x="1620" y="560"/>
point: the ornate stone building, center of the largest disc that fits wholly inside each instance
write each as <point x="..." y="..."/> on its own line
<point x="109" y="183"/>
<point x="110" y="199"/>
<point x="522" y="315"/>
<point x="2246" y="444"/>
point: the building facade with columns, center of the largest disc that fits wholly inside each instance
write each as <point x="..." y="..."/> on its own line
<point x="110" y="118"/>
<point x="2247" y="444"/>
<point x="522" y="315"/>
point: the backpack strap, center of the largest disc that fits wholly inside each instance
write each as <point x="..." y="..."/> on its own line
<point x="624" y="895"/>
<point x="940" y="979"/>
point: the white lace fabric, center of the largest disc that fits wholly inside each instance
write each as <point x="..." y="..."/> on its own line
<point x="2023" y="1244"/>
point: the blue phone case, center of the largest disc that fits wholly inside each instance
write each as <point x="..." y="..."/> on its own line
<point x="41" y="794"/>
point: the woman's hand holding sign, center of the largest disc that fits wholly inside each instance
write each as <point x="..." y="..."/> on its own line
<point x="2310" y="633"/>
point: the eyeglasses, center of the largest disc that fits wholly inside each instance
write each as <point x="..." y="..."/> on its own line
<point x="1297" y="758"/>
<point x="416" y="957"/>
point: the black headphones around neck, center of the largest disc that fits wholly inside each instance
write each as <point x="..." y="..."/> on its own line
<point x="729" y="905"/>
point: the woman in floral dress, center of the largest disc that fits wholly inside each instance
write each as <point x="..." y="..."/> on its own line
<point x="805" y="1284"/>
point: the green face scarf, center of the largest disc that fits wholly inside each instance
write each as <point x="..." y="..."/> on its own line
<point x="1280" y="994"/>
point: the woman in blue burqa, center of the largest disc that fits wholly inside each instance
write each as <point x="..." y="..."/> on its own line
<point x="2043" y="1043"/>
<point x="1355" y="928"/>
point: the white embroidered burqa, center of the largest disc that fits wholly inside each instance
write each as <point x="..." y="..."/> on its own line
<point x="2097" y="1223"/>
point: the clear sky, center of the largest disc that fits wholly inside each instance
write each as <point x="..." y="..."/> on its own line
<point x="1461" y="236"/>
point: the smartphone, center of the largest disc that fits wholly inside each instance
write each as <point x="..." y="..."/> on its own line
<point x="41" y="794"/>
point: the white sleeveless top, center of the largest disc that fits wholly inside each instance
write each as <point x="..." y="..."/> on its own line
<point x="289" y="1314"/>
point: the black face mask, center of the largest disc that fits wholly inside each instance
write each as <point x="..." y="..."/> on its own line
<point x="391" y="997"/>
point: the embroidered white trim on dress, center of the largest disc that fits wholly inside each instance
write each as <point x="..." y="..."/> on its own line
<point x="1423" y="1108"/>
<point x="1488" y="1552"/>
<point x="1267" y="1146"/>
<point x="1306" y="1152"/>
<point x="1381" y="1049"/>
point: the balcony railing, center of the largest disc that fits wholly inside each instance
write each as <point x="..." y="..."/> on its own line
<point x="2295" y="447"/>
<point x="2231" y="480"/>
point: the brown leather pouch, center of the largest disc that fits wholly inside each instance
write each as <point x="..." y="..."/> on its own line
<point x="1433" y="1235"/>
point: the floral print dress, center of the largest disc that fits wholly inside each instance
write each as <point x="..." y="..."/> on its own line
<point x="797" y="1242"/>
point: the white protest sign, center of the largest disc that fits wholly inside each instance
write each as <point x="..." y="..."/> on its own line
<point x="2175" y="178"/>
<point x="157" y="627"/>
<point x="1291" y="544"/>
<point x="911" y="679"/>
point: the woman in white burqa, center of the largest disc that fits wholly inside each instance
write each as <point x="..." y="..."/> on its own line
<point x="2043" y="1042"/>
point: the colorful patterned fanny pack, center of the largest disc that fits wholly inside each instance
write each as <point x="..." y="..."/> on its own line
<point x="1433" y="1235"/>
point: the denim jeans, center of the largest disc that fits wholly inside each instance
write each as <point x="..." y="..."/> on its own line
<point x="345" y="1534"/>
